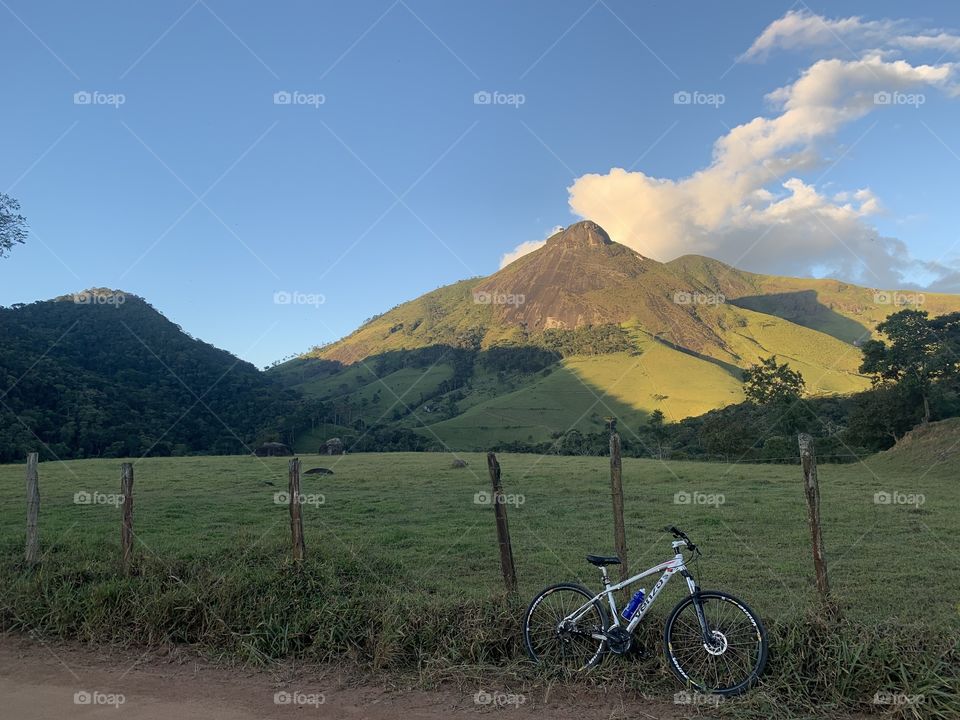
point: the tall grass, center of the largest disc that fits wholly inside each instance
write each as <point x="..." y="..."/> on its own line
<point x="361" y="609"/>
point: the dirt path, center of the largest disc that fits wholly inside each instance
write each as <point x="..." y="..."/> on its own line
<point x="52" y="682"/>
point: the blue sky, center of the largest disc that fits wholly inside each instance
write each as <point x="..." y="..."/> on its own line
<point x="384" y="178"/>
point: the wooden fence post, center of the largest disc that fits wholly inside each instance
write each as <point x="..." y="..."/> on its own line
<point x="811" y="488"/>
<point x="616" y="490"/>
<point x="296" y="518"/>
<point x="503" y="530"/>
<point x="32" y="554"/>
<point x="126" y="528"/>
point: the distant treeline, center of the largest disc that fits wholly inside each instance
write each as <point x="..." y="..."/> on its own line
<point x="845" y="429"/>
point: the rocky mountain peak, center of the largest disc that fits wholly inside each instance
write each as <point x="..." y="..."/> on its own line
<point x="584" y="234"/>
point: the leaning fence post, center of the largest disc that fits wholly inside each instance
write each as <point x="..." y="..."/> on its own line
<point x="32" y="553"/>
<point x="296" y="518"/>
<point x="811" y="488"/>
<point x="616" y="491"/>
<point x="503" y="530"/>
<point x="126" y="528"/>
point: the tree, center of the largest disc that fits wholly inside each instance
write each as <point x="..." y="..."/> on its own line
<point x="880" y="417"/>
<point x="657" y="430"/>
<point x="720" y="434"/>
<point x="13" y="225"/>
<point x="770" y="382"/>
<point x="919" y="351"/>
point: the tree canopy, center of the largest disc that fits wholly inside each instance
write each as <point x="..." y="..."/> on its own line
<point x="13" y="225"/>
<point x="769" y="382"/>
<point x="917" y="351"/>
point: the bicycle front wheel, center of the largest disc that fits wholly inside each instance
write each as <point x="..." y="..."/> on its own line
<point x="571" y="645"/>
<point x="731" y="658"/>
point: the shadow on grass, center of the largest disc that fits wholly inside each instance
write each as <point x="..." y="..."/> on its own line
<point x="803" y="307"/>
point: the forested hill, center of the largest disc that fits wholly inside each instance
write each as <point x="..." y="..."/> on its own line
<point x="105" y="374"/>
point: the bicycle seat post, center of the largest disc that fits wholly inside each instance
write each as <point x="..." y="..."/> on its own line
<point x="606" y="578"/>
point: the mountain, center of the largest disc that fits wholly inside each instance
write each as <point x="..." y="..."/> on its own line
<point x="628" y="335"/>
<point x="580" y="277"/>
<point x="550" y="346"/>
<point x="102" y="373"/>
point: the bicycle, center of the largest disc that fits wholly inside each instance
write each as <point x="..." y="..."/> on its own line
<point x="712" y="640"/>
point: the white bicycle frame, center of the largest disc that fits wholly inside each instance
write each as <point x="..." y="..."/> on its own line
<point x="669" y="568"/>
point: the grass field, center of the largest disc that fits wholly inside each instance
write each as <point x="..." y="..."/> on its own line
<point x="403" y="534"/>
<point x="582" y="390"/>
<point x="416" y="513"/>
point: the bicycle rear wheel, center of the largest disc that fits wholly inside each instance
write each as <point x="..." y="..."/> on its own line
<point x="736" y="653"/>
<point x="570" y="646"/>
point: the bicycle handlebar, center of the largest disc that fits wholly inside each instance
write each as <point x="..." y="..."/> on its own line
<point x="681" y="535"/>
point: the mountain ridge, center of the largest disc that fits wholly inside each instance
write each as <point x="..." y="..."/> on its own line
<point x="579" y="330"/>
<point x="581" y="277"/>
<point x="671" y="336"/>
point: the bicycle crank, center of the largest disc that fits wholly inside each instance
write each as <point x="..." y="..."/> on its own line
<point x="619" y="640"/>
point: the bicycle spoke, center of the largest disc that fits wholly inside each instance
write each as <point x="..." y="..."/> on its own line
<point x="571" y="647"/>
<point x="730" y="659"/>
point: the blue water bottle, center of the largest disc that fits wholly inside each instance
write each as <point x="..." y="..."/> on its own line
<point x="632" y="606"/>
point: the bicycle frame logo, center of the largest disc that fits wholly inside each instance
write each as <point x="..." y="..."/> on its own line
<point x="655" y="590"/>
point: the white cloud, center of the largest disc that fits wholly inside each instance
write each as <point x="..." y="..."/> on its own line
<point x="525" y="248"/>
<point x="749" y="207"/>
<point x="800" y="29"/>
<point x="942" y="42"/>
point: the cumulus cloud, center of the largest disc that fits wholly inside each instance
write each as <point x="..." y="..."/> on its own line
<point x="525" y="248"/>
<point x="750" y="206"/>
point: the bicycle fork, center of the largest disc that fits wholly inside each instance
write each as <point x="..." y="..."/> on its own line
<point x="706" y="632"/>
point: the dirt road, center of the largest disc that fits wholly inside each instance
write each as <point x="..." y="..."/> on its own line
<point x="52" y="682"/>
